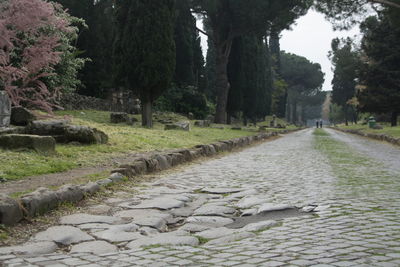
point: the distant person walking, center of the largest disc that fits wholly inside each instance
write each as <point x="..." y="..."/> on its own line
<point x="321" y="123"/>
<point x="317" y="123"/>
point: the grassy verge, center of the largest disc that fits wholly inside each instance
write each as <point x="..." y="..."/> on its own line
<point x="387" y="129"/>
<point x="16" y="165"/>
<point x="353" y="169"/>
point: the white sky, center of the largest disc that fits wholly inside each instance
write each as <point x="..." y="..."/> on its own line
<point x="311" y="37"/>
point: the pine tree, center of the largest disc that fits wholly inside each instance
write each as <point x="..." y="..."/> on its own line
<point x="145" y="49"/>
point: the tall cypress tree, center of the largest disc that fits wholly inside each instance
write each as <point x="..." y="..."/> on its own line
<point x="145" y="49"/>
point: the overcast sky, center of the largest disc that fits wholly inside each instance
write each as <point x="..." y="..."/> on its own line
<point x="311" y="38"/>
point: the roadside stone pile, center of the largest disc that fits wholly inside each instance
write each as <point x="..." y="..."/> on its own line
<point x="29" y="133"/>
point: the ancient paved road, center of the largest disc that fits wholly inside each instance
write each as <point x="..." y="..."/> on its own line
<point x="351" y="225"/>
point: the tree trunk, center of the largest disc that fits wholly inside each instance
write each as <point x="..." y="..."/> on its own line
<point x="394" y="118"/>
<point x="222" y="84"/>
<point x="229" y="119"/>
<point x="147" y="114"/>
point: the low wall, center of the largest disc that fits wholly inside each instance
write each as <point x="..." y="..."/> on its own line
<point x="381" y="137"/>
<point x="43" y="200"/>
<point x="80" y="102"/>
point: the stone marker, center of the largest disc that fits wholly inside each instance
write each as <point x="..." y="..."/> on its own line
<point x="182" y="125"/>
<point x="41" y="144"/>
<point x="5" y="109"/>
<point x="31" y="248"/>
<point x="21" y="116"/>
<point x="64" y="235"/>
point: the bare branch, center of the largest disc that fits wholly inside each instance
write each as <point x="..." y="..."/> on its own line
<point x="203" y="32"/>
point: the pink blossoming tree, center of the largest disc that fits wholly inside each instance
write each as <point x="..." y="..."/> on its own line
<point x="31" y="37"/>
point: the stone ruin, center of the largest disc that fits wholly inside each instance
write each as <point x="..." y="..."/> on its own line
<point x="5" y="109"/>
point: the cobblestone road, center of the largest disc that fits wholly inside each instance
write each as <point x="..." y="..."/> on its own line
<point x="352" y="225"/>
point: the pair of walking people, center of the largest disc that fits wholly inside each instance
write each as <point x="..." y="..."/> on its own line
<point x="319" y="123"/>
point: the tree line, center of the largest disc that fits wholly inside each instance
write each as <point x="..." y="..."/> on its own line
<point x="152" y="47"/>
<point x="367" y="75"/>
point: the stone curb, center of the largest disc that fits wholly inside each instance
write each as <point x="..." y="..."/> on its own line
<point x="381" y="137"/>
<point x="43" y="200"/>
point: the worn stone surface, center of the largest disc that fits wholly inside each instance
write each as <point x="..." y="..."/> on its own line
<point x="39" y="201"/>
<point x="250" y="201"/>
<point x="175" y="239"/>
<point x="152" y="218"/>
<point x="216" y="233"/>
<point x="254" y="227"/>
<point x="268" y="207"/>
<point x="83" y="218"/>
<point x="41" y="144"/>
<point x="119" y="233"/>
<point x="214" y="210"/>
<point x="210" y="220"/>
<point x="162" y="203"/>
<point x="221" y="190"/>
<point x="231" y="238"/>
<point x="10" y="210"/>
<point x="64" y="235"/>
<point x="96" y="247"/>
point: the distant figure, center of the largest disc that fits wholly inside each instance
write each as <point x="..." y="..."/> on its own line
<point x="317" y="123"/>
<point x="320" y="123"/>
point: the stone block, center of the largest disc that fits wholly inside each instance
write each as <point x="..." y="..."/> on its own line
<point x="65" y="133"/>
<point x="39" y="201"/>
<point x="70" y="193"/>
<point x="5" y="109"/>
<point x="90" y="188"/>
<point x="119" y="117"/>
<point x="182" y="125"/>
<point x="41" y="144"/>
<point x="21" y="116"/>
<point x="10" y="211"/>
<point x="202" y="123"/>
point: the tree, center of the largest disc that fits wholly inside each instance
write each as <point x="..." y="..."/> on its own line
<point x="94" y="42"/>
<point x="144" y="49"/>
<point x="35" y="41"/>
<point x="304" y="80"/>
<point x="380" y="77"/>
<point x="346" y="62"/>
<point x="229" y="19"/>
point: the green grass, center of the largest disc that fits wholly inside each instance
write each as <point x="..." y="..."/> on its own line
<point x="387" y="129"/>
<point x="353" y="169"/>
<point x="122" y="139"/>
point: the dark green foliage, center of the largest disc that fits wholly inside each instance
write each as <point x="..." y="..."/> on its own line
<point x="145" y="49"/>
<point x="211" y="69"/>
<point x="304" y="80"/>
<point x="95" y="43"/>
<point x="229" y="19"/>
<point x="249" y="73"/>
<point x="347" y="63"/>
<point x="184" y="100"/>
<point x="381" y="72"/>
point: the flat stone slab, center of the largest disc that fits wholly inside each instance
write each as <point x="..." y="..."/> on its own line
<point x="119" y="233"/>
<point x="169" y="239"/>
<point x="216" y="233"/>
<point x="94" y="226"/>
<point x="83" y="218"/>
<point x="268" y="207"/>
<point x="152" y="218"/>
<point x="249" y="202"/>
<point x="31" y="248"/>
<point x="231" y="238"/>
<point x="215" y="221"/>
<point x="213" y="210"/>
<point x="221" y="190"/>
<point x="95" y="247"/>
<point x="254" y="227"/>
<point x="162" y="203"/>
<point x="249" y="212"/>
<point x="64" y="235"/>
<point x="194" y="227"/>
